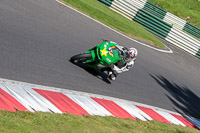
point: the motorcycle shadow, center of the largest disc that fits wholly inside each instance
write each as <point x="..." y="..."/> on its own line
<point x="97" y="73"/>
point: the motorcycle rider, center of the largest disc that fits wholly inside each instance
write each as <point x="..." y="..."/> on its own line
<point x="128" y="59"/>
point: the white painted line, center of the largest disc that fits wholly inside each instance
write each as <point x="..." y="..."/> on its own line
<point x="165" y="51"/>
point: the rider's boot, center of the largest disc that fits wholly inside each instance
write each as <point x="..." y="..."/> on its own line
<point x="111" y="75"/>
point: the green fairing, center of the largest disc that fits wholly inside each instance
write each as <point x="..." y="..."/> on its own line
<point x="103" y="55"/>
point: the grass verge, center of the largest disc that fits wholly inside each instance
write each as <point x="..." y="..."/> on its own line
<point x="112" y="19"/>
<point x="186" y="9"/>
<point x="17" y="122"/>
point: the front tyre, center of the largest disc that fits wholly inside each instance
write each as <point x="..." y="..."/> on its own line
<point x="81" y="57"/>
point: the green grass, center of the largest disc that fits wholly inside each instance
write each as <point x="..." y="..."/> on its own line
<point x="105" y="15"/>
<point x="27" y="122"/>
<point x="186" y="9"/>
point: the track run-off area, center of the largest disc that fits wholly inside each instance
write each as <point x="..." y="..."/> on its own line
<point x="38" y="38"/>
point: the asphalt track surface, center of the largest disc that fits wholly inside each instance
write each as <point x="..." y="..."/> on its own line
<point x="38" y="37"/>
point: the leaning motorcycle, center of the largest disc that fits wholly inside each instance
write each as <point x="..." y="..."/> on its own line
<point x="100" y="56"/>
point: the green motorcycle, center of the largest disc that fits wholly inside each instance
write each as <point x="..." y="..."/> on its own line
<point x="100" y="56"/>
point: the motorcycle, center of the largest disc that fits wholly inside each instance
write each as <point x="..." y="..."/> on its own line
<point x="100" y="56"/>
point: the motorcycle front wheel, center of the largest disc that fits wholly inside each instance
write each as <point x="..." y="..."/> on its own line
<point x="81" y="57"/>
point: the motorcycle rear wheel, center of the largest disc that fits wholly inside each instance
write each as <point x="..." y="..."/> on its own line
<point x="81" y="57"/>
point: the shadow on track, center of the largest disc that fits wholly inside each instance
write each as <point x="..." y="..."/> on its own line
<point x="181" y="96"/>
<point x="97" y="73"/>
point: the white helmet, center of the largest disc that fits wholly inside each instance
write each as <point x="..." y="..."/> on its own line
<point x="132" y="53"/>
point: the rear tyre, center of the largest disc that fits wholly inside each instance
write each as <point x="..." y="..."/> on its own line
<point x="81" y="57"/>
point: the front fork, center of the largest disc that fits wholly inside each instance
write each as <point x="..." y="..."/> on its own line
<point x="95" y="62"/>
<point x="93" y="51"/>
<point x="94" y="58"/>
